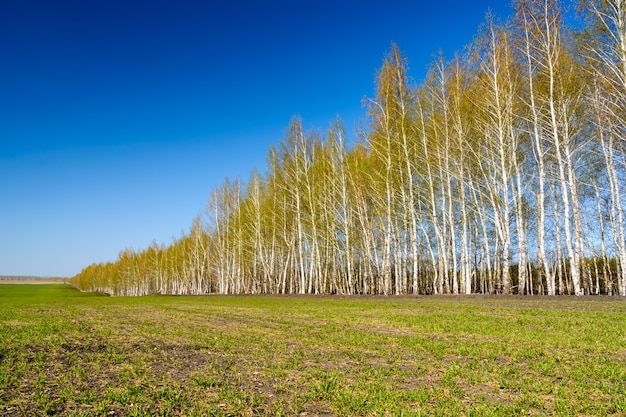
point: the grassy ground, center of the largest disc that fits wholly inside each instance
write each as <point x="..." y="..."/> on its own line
<point x="67" y="353"/>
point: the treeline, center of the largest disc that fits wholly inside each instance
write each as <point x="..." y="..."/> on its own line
<point x="501" y="172"/>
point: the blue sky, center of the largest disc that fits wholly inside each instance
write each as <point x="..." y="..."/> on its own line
<point x="118" y="118"/>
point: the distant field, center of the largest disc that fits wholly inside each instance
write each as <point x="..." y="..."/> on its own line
<point x="30" y="280"/>
<point x="33" y="282"/>
<point x="67" y="353"/>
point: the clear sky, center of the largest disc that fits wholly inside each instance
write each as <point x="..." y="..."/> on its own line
<point x="118" y="117"/>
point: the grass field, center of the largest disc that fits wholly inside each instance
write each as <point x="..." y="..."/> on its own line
<point x="63" y="352"/>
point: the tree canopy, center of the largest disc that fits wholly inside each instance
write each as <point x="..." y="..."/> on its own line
<point x="502" y="172"/>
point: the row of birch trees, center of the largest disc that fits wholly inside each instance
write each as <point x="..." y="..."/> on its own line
<point x="501" y="172"/>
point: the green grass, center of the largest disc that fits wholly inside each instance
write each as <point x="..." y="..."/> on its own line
<point x="63" y="352"/>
